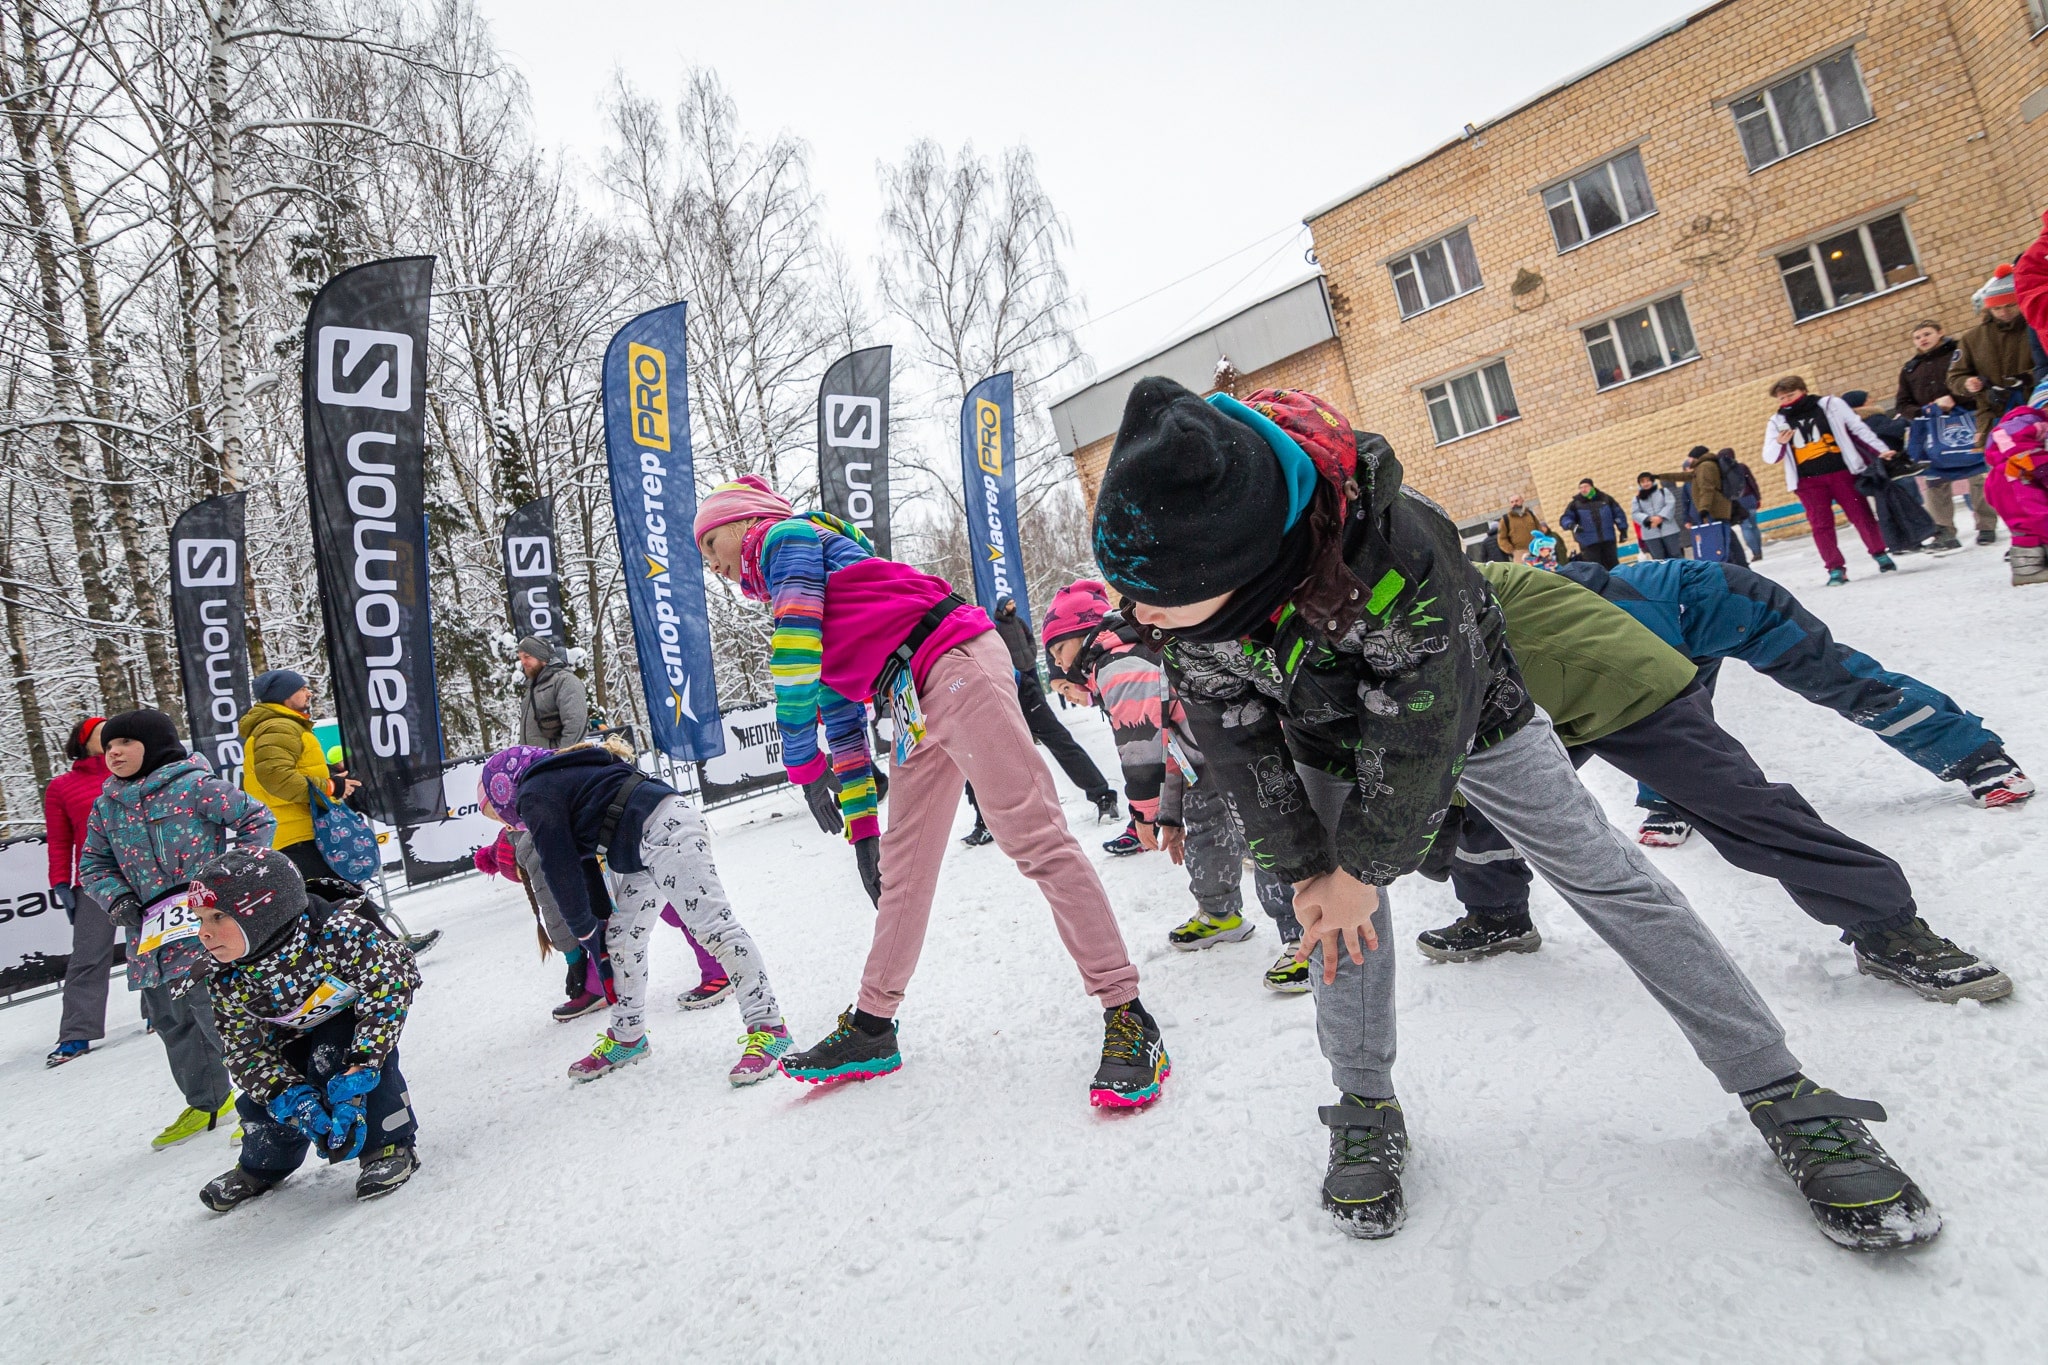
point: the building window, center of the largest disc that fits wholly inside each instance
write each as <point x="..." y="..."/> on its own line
<point x="1839" y="270"/>
<point x="1808" y="107"/>
<point x="1435" y="274"/>
<point x="2037" y="17"/>
<point x="1471" y="402"/>
<point x="1594" y="203"/>
<point x="1640" y="342"/>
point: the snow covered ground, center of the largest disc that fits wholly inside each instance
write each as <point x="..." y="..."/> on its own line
<point x="1579" y="1188"/>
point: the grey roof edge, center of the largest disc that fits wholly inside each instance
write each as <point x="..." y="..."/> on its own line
<point x="1541" y="95"/>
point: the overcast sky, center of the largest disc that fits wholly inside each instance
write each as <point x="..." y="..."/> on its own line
<point x="1175" y="138"/>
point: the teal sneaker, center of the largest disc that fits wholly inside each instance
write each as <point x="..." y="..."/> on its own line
<point x="608" y="1056"/>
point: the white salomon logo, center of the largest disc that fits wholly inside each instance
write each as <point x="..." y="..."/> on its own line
<point x="853" y="422"/>
<point x="206" y="563"/>
<point x="529" y="556"/>
<point x="375" y="367"/>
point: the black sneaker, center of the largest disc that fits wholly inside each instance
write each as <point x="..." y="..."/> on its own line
<point x="1857" y="1193"/>
<point x="384" y="1170"/>
<point x="1663" y="828"/>
<point x="846" y="1054"/>
<point x="420" y="944"/>
<point x="976" y="837"/>
<point x="1125" y="844"/>
<point x="1472" y="937"/>
<point x="1134" y="1060"/>
<point x="1923" y="961"/>
<point x="1107" y="807"/>
<point x="1947" y="542"/>
<point x="1286" y="976"/>
<point x="238" y="1186"/>
<point x="1368" y="1148"/>
<point x="1987" y="537"/>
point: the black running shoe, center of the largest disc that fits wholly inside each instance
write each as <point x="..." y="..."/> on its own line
<point x="1472" y="937"/>
<point x="384" y="1170"/>
<point x="1125" y="844"/>
<point x="846" y="1054"/>
<point x="1858" y="1194"/>
<point x="976" y="837"/>
<point x="419" y="944"/>
<point x="1134" y="1061"/>
<point x="1921" y="960"/>
<point x="1368" y="1148"/>
<point x="238" y="1186"/>
<point x="1106" y="807"/>
<point x="1987" y="537"/>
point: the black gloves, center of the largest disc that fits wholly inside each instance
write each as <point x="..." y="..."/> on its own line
<point x="66" y="900"/>
<point x="126" y="911"/>
<point x="868" y="853"/>
<point x="822" y="796"/>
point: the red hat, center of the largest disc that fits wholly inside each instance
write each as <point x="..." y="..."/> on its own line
<point x="1076" y="609"/>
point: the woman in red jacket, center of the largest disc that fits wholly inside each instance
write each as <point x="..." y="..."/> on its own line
<point x="67" y="802"/>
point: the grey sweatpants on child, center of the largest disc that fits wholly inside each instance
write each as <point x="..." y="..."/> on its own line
<point x="1526" y="786"/>
<point x="675" y="850"/>
<point x="1213" y="850"/>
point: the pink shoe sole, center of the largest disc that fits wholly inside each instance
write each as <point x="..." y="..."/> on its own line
<point x="1138" y="1099"/>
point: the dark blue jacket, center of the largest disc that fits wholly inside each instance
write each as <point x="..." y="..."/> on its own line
<point x="1595" y="520"/>
<point x="562" y="800"/>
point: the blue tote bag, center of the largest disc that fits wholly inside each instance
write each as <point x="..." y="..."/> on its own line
<point x="344" y="837"/>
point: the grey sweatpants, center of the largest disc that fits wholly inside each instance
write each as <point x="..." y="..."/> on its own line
<point x="85" y="976"/>
<point x="675" y="850"/>
<point x="1214" y="853"/>
<point x="185" y="1025"/>
<point x="551" y="921"/>
<point x="1526" y="786"/>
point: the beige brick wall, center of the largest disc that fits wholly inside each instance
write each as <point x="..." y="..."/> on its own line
<point x="1960" y="178"/>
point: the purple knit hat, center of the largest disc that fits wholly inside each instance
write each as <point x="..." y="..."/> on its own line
<point x="497" y="791"/>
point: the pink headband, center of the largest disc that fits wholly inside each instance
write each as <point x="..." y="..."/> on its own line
<point x="744" y="499"/>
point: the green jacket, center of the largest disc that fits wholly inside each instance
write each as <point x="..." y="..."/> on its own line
<point x="1594" y="668"/>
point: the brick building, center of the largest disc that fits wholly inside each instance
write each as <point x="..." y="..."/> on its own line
<point x="1616" y="269"/>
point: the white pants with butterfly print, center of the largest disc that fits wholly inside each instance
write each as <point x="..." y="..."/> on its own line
<point x="675" y="850"/>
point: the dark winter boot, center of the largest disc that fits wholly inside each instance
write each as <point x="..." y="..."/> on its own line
<point x="1921" y="960"/>
<point x="384" y="1170"/>
<point x="979" y="835"/>
<point x="1106" y="807"/>
<point x="1475" y="935"/>
<point x="1858" y="1194"/>
<point x="1125" y="844"/>
<point x="1134" y="1060"/>
<point x="1663" y="827"/>
<point x="1998" y="781"/>
<point x="1368" y="1148"/>
<point x="238" y="1186"/>
<point x="847" y="1053"/>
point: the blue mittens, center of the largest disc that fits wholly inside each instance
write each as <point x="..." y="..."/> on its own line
<point x="346" y="1100"/>
<point x="300" y="1110"/>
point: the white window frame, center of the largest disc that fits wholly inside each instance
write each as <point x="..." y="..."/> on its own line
<point x="1811" y="74"/>
<point x="1820" y="270"/>
<point x="1406" y="259"/>
<point x="2037" y="13"/>
<point x="1611" y="321"/>
<point x="1569" y="184"/>
<point x="1442" y="387"/>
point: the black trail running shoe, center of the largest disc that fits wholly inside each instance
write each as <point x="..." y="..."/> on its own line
<point x="224" y="1192"/>
<point x="1472" y="937"/>
<point x="846" y="1054"/>
<point x="1857" y="1193"/>
<point x="1368" y="1148"/>
<point x="1924" y="962"/>
<point x="1134" y="1061"/>
<point x="384" y="1170"/>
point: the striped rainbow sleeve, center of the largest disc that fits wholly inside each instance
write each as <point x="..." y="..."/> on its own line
<point x="846" y="730"/>
<point x="793" y="562"/>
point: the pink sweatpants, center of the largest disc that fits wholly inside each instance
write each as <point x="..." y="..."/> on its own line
<point x="2024" y="507"/>
<point x="975" y="732"/>
<point x="1816" y="492"/>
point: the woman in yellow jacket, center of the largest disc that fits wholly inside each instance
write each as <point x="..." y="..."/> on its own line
<point x="280" y="757"/>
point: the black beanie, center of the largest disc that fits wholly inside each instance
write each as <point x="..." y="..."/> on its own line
<point x="1193" y="504"/>
<point x="159" y="737"/>
<point x="259" y="888"/>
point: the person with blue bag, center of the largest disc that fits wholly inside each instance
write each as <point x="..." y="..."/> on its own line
<point x="161" y="815"/>
<point x="309" y="999"/>
<point x="285" y="767"/>
<point x="1942" y="434"/>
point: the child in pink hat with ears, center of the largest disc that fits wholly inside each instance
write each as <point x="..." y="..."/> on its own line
<point x="903" y="638"/>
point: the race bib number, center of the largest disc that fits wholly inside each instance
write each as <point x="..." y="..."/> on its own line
<point x="168" y="921"/>
<point x="906" y="715"/>
<point x="328" y="999"/>
<point x="1179" y="756"/>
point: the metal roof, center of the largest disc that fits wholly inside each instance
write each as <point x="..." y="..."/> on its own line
<point x="1282" y="324"/>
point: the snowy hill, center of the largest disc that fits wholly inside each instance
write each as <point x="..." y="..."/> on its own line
<point x="1579" y="1189"/>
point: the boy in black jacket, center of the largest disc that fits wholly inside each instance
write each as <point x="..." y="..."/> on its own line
<point x="309" y="1001"/>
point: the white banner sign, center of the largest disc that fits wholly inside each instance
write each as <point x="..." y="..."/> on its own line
<point x="33" y="931"/>
<point x="753" y="751"/>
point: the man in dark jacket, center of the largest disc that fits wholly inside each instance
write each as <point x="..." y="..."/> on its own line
<point x="1045" y="726"/>
<point x="1923" y="379"/>
<point x="1597" y="522"/>
<point x="1345" y="670"/>
<point x="1710" y="501"/>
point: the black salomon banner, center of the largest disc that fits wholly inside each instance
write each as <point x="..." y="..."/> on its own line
<point x="208" y="605"/>
<point x="533" y="589"/>
<point x="853" y="443"/>
<point x="365" y="405"/>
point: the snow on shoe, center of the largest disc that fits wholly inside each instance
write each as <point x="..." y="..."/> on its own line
<point x="758" y="1051"/>
<point x="1471" y="937"/>
<point x="1368" y="1149"/>
<point x="608" y="1056"/>
<point x="845" y="1054"/>
<point x="705" y="994"/>
<point x="67" y="1052"/>
<point x="236" y="1187"/>
<point x="1923" y="961"/>
<point x="1134" y="1061"/>
<point x="1203" y="930"/>
<point x="384" y="1170"/>
<point x="1856" y="1192"/>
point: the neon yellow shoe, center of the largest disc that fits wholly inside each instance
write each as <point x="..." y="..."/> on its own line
<point x="191" y="1123"/>
<point x="1205" y="931"/>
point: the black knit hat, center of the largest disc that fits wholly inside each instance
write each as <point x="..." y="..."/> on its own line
<point x="259" y="888"/>
<point x="1193" y="504"/>
<point x="154" y="730"/>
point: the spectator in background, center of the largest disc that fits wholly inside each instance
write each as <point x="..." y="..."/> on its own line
<point x="1706" y="501"/>
<point x="1816" y="437"/>
<point x="1992" y="370"/>
<point x="1894" y="492"/>
<point x="1517" y="524"/>
<point x="1923" y="379"/>
<point x="67" y="805"/>
<point x="1658" y="531"/>
<point x="1597" y="523"/>
<point x="283" y="762"/>
<point x="1738" y="484"/>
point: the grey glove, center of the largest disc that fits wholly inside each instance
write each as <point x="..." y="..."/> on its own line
<point x="822" y="796"/>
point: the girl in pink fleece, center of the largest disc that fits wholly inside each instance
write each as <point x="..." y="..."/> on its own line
<point x="850" y="628"/>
